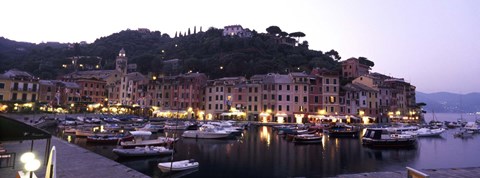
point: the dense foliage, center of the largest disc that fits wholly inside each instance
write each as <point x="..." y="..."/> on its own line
<point x="208" y="52"/>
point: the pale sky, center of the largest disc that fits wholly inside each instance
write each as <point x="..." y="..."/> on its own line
<point x="433" y="44"/>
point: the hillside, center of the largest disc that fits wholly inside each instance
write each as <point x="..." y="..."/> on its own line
<point x="208" y="52"/>
<point x="450" y="102"/>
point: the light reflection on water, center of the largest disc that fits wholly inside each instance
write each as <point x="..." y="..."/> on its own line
<point x="265" y="135"/>
<point x="260" y="152"/>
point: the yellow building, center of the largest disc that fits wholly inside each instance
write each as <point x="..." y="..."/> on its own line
<point x="5" y="85"/>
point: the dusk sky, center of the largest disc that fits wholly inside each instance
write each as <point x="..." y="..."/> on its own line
<point x="433" y="44"/>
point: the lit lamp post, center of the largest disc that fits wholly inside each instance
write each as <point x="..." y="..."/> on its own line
<point x="31" y="164"/>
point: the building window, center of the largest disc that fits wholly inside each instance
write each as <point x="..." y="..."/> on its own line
<point x="34" y="97"/>
<point x="296" y="87"/>
<point x="24" y="97"/>
<point x="316" y="99"/>
<point x="327" y="81"/>
<point x="240" y="97"/>
<point x="288" y="97"/>
<point x="288" y="87"/>
<point x="14" y="96"/>
<point x="279" y="97"/>
<point x="279" y="87"/>
<point x="304" y="99"/>
<point x="305" y="88"/>
<point x="332" y="99"/>
<point x="334" y="81"/>
<point x="288" y="107"/>
<point x="2" y="86"/>
<point x="279" y="107"/>
<point x="296" y="99"/>
<point x="1" y="97"/>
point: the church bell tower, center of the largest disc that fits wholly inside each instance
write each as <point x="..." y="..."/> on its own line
<point x="121" y="62"/>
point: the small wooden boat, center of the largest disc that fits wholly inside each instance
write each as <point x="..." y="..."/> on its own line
<point x="143" y="151"/>
<point x="307" y="138"/>
<point x="178" y="165"/>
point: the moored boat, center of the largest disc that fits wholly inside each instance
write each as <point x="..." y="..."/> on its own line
<point x="143" y="151"/>
<point x="207" y="131"/>
<point x="426" y="132"/>
<point x="307" y="138"/>
<point x="343" y="130"/>
<point x="381" y="137"/>
<point x="138" y="142"/>
<point x="106" y="139"/>
<point x="178" y="165"/>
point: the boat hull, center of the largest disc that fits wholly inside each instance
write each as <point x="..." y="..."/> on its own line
<point x="205" y="135"/>
<point x="140" y="153"/>
<point x="389" y="142"/>
<point x="177" y="166"/>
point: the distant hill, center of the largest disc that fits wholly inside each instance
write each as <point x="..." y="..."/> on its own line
<point x="450" y="102"/>
<point x="206" y="51"/>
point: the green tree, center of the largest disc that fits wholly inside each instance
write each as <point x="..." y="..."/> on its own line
<point x="273" y="30"/>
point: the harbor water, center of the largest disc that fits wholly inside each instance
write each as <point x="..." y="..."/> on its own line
<point x="261" y="152"/>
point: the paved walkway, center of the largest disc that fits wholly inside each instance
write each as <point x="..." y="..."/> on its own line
<point x="448" y="172"/>
<point x="72" y="161"/>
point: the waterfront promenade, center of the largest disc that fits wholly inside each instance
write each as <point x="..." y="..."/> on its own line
<point x="448" y="172"/>
<point x="72" y="160"/>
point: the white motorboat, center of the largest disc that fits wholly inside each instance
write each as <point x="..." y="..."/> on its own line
<point x="426" y="132"/>
<point x="151" y="128"/>
<point x="178" y="165"/>
<point x="472" y="127"/>
<point x="206" y="131"/>
<point x="143" y="151"/>
<point x="139" y="142"/>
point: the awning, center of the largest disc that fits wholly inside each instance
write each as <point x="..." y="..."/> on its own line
<point x="13" y="130"/>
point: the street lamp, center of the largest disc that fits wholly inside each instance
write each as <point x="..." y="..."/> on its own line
<point x="31" y="164"/>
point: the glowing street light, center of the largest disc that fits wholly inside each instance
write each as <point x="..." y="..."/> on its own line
<point x="31" y="164"/>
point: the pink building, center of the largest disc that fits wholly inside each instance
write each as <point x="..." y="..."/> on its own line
<point x="353" y="68"/>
